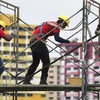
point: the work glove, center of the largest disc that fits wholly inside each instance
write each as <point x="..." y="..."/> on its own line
<point x="14" y="32"/>
<point x="98" y="48"/>
<point x="97" y="31"/>
<point x="74" y="40"/>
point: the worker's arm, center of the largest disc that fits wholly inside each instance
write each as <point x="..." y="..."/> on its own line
<point x="59" y="39"/>
<point x="8" y="37"/>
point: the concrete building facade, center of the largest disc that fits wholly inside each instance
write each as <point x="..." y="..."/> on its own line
<point x="69" y="68"/>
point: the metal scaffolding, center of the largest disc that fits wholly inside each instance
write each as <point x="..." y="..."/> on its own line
<point x="85" y="86"/>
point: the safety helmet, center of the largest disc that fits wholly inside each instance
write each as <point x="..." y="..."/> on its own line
<point x="65" y="18"/>
<point x="2" y="24"/>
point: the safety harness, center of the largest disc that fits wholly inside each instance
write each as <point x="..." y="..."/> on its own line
<point x="36" y="36"/>
<point x="41" y="33"/>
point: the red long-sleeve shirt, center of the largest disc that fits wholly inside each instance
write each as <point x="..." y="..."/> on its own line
<point x="2" y="33"/>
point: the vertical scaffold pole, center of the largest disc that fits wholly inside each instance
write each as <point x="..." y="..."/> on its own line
<point x="99" y="34"/>
<point x="17" y="42"/>
<point x="84" y="35"/>
<point x="99" y="44"/>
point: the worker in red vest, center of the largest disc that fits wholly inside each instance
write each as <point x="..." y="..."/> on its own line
<point x="39" y="49"/>
<point x="7" y="37"/>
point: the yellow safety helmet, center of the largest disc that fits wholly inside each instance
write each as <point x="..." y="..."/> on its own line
<point x="65" y="18"/>
<point x="2" y="24"/>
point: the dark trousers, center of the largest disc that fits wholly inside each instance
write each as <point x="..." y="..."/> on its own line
<point x="1" y="66"/>
<point x="39" y="52"/>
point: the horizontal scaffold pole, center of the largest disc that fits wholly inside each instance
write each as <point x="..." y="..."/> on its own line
<point x="9" y="88"/>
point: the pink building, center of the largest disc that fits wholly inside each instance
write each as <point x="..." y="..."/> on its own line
<point x="71" y="67"/>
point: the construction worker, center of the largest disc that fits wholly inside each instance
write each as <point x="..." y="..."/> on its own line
<point x="97" y="31"/>
<point x="39" y="49"/>
<point x="5" y="36"/>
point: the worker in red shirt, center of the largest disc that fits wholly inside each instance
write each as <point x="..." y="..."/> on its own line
<point x="39" y="49"/>
<point x="5" y="36"/>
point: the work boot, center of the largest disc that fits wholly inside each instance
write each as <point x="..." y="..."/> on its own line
<point x="27" y="82"/>
<point x="27" y="79"/>
<point x="43" y="83"/>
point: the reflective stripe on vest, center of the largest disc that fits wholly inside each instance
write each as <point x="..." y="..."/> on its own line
<point x="40" y="34"/>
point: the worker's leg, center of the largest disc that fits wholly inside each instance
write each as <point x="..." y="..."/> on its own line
<point x="1" y="66"/>
<point x="33" y="66"/>
<point x="44" y="56"/>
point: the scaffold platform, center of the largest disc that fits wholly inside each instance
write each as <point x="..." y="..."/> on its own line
<point x="9" y="88"/>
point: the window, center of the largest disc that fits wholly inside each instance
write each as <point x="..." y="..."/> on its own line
<point x="68" y="98"/>
<point x="50" y="98"/>
<point x="76" y="61"/>
<point x="30" y="29"/>
<point x="43" y="95"/>
<point x="21" y="29"/>
<point x="21" y="94"/>
<point x="30" y="95"/>
<point x="20" y="69"/>
<point x="95" y="75"/>
<point x="51" y="77"/>
<point x="20" y="78"/>
<point x="50" y="92"/>
<point x="76" y="98"/>
<point x="58" y="98"/>
<point x="96" y="67"/>
<point x="68" y="75"/>
<point x="95" y="98"/>
<point x="21" y="45"/>
<point x="68" y="61"/>
<point x="76" y="53"/>
<point x="96" y="82"/>
<point x="51" y="71"/>
<point x="68" y="68"/>
<point x="22" y="54"/>
<point x="22" y="37"/>
<point x="6" y="44"/>
<point x="5" y="77"/>
<point x="76" y="75"/>
<point x="5" y="52"/>
<point x="75" y="68"/>
<point x="13" y="69"/>
<point x="29" y="53"/>
<point x="51" y="82"/>
<point x="6" y="68"/>
<point x="67" y="82"/>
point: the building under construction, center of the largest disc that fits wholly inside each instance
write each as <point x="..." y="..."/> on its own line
<point x="75" y="75"/>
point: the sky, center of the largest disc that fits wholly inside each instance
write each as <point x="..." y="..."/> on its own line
<point x="38" y="11"/>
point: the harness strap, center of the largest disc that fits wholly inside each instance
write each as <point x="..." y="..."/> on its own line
<point x="41" y="27"/>
<point x="40" y="34"/>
